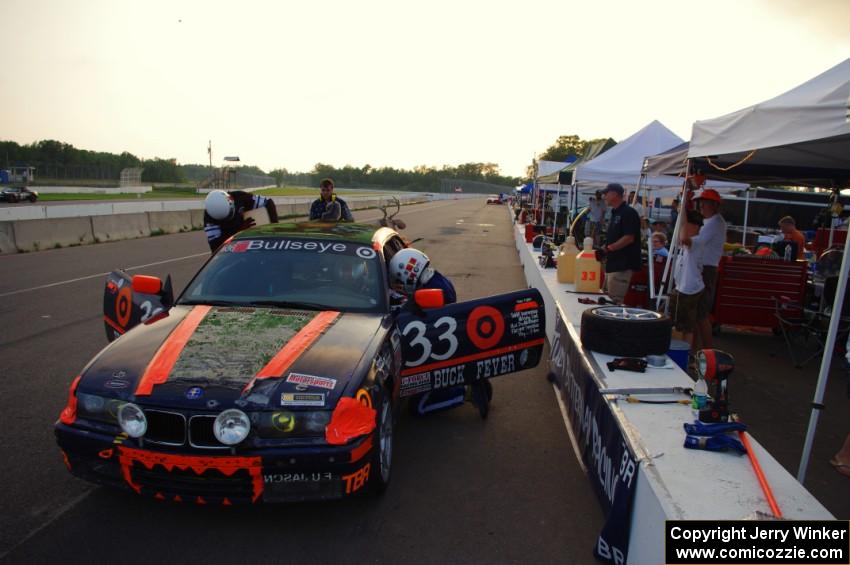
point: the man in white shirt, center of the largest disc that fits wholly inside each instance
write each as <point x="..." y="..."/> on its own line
<point x="687" y="274"/>
<point x="711" y="237"/>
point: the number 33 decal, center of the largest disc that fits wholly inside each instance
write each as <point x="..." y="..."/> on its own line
<point x="427" y="348"/>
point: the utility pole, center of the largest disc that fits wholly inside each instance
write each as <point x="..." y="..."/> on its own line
<point x="209" y="152"/>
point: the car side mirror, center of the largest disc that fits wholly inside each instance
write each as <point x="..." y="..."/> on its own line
<point x="145" y="284"/>
<point x="429" y="298"/>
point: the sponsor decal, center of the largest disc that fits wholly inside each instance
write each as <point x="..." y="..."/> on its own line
<point x="283" y="421"/>
<point x="302" y="399"/>
<point x="311" y="380"/>
<point x="357" y="479"/>
<point x="117" y="382"/>
<point x="496" y="366"/>
<point x="194" y="393"/>
<point x="413" y="384"/>
<point x="298" y="478"/>
<point x="485" y="327"/>
<point x="450" y="376"/>
<point x="124" y="306"/>
<point x="364" y="397"/>
<point x="292" y="245"/>
<point x="523" y="358"/>
<point x="365" y="253"/>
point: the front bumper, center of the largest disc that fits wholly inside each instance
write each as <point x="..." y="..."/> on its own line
<point x="280" y="474"/>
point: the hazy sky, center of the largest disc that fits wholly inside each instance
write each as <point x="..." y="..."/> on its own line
<point x="291" y="83"/>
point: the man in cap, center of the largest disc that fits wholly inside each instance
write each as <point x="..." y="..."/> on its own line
<point x="622" y="247"/>
<point x="711" y="237"/>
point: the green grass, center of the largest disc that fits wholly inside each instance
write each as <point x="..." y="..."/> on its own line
<point x="189" y="192"/>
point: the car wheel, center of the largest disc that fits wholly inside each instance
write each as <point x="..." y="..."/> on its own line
<point x="625" y="332"/>
<point x="33" y="198"/>
<point x="382" y="458"/>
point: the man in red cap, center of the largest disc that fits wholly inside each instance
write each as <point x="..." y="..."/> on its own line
<point x="711" y="238"/>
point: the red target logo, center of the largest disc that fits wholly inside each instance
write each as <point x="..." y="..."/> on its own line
<point x="124" y="306"/>
<point x="485" y="327"/>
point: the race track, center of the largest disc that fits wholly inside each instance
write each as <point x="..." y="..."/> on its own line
<point x="464" y="490"/>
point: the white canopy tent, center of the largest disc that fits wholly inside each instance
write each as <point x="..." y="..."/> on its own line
<point x="623" y="162"/>
<point x="801" y="137"/>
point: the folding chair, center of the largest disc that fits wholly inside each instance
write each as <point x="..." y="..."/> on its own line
<point x="809" y="326"/>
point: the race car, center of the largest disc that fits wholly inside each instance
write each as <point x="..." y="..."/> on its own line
<point x="279" y="372"/>
<point x="18" y="194"/>
<point x="494" y="200"/>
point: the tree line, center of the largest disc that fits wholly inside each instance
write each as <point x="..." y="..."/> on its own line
<point x="57" y="160"/>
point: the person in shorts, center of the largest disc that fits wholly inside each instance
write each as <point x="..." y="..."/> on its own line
<point x="687" y="274"/>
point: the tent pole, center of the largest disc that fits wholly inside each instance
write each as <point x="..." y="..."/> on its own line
<point x="826" y="361"/>
<point x="746" y="217"/>
<point x="675" y="243"/>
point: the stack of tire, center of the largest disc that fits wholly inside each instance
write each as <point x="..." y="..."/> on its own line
<point x="625" y="332"/>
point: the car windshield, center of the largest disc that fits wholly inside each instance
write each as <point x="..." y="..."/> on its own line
<point x="292" y="273"/>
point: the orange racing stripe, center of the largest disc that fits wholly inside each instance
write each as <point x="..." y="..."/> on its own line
<point x="296" y="346"/>
<point x="473" y="357"/>
<point x="160" y="366"/>
<point x="521" y="307"/>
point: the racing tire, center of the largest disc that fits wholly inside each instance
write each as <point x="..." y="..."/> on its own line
<point x="625" y="332"/>
<point x="32" y="199"/>
<point x="382" y="455"/>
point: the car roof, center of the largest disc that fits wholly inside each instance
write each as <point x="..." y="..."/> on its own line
<point x="364" y="234"/>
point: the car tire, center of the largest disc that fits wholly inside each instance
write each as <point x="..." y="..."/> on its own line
<point x="33" y="199"/>
<point x="625" y="332"/>
<point x="382" y="456"/>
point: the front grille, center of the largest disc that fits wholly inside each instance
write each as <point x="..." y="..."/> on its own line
<point x="184" y="482"/>
<point x="167" y="428"/>
<point x="201" y="433"/>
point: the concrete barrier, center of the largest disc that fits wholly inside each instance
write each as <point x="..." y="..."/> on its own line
<point x="7" y="238"/>
<point x="170" y="222"/>
<point x="197" y="218"/>
<point x="100" y="222"/>
<point x="120" y="226"/>
<point x="33" y="235"/>
<point x="12" y="213"/>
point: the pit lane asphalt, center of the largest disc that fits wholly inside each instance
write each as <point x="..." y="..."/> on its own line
<point x="503" y="490"/>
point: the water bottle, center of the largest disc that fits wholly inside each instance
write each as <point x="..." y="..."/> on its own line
<point x="699" y="397"/>
<point x="787" y="252"/>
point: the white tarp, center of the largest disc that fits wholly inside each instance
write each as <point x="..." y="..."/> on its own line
<point x="799" y="137"/>
<point x="623" y="162"/>
<point x="545" y="168"/>
<point x="674" y="162"/>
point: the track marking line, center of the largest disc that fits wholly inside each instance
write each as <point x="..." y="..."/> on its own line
<point x="69" y="281"/>
<point x="62" y="510"/>
<point x="569" y="430"/>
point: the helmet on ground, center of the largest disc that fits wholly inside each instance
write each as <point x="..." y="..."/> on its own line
<point x="219" y="205"/>
<point x="411" y="268"/>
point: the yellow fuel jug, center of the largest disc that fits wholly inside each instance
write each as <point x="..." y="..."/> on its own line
<point x="567" y="261"/>
<point x="588" y="271"/>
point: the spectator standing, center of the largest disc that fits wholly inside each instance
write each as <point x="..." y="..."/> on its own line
<point x="710" y="238"/>
<point x="328" y="206"/>
<point x="622" y="248"/>
<point x="788" y="227"/>
<point x="687" y="274"/>
<point x="595" y="216"/>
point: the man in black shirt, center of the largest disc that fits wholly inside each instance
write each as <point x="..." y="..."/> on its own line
<point x="329" y="207"/>
<point x="622" y="248"/>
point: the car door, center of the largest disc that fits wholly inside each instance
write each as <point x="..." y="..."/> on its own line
<point x="123" y="308"/>
<point x="466" y="342"/>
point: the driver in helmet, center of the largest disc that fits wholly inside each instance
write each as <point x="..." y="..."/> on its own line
<point x="223" y="214"/>
<point x="410" y="270"/>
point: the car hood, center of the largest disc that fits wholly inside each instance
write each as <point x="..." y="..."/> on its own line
<point x="211" y="358"/>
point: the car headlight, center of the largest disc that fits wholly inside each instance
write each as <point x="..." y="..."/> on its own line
<point x="94" y="407"/>
<point x="132" y="420"/>
<point x="231" y="426"/>
<point x="292" y="424"/>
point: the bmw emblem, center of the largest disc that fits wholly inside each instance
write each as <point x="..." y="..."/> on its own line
<point x="194" y="393"/>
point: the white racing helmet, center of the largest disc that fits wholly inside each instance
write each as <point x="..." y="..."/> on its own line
<point x="411" y="268"/>
<point x="219" y="205"/>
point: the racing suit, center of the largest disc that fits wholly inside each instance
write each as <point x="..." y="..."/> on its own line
<point x="219" y="231"/>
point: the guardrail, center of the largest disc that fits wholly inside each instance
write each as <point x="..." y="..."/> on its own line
<point x="34" y="228"/>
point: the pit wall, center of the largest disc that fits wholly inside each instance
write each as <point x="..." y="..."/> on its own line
<point x="34" y="228"/>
